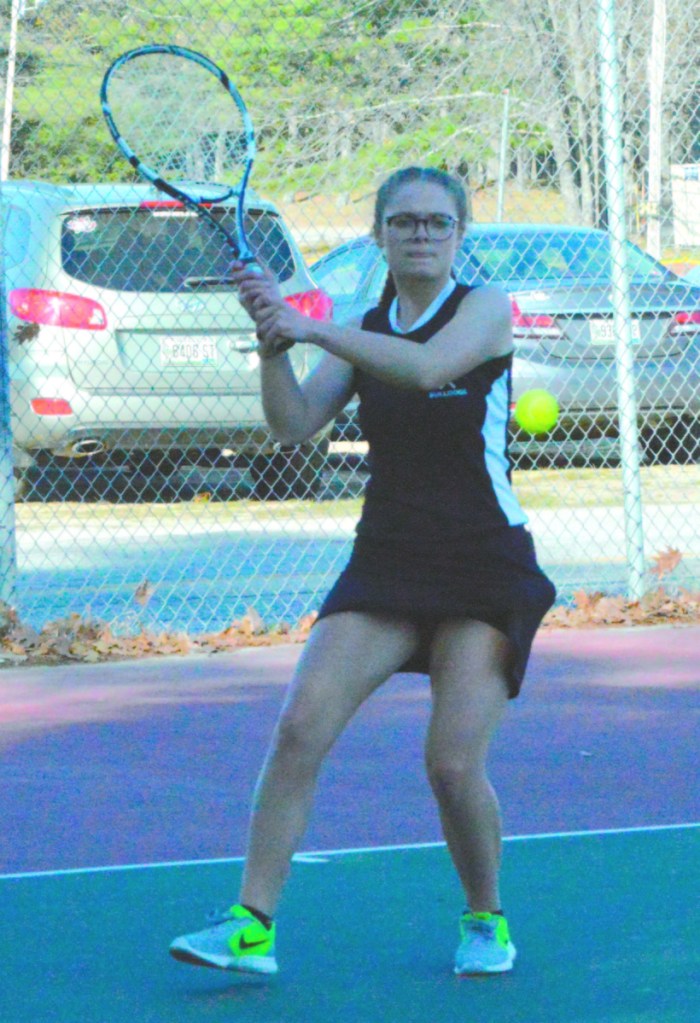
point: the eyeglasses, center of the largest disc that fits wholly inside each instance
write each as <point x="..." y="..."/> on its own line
<point x="438" y="226"/>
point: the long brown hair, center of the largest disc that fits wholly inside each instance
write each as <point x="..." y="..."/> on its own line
<point x="396" y="181"/>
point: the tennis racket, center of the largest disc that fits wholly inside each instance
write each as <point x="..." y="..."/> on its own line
<point x="182" y="124"/>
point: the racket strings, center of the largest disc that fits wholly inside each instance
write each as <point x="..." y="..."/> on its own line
<point x="179" y="120"/>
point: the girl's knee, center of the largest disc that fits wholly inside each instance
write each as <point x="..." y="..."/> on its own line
<point x="300" y="736"/>
<point x="452" y="773"/>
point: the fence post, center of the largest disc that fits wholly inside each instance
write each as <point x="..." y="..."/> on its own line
<point x="657" y="62"/>
<point x="8" y="543"/>
<point x="6" y="144"/>
<point x="503" y="157"/>
<point x="624" y="356"/>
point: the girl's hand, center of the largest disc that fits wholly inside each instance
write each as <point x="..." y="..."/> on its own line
<point x="278" y="325"/>
<point x="267" y="348"/>
<point x="256" y="289"/>
<point x="277" y="322"/>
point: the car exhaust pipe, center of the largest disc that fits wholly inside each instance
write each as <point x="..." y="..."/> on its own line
<point x="86" y="447"/>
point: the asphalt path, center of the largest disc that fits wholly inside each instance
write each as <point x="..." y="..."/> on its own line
<point x="207" y="575"/>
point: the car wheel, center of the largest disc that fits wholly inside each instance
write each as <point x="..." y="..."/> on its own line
<point x="679" y="445"/>
<point x="290" y="473"/>
<point x="21" y="484"/>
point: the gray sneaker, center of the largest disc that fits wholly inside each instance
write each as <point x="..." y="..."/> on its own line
<point x="235" y="940"/>
<point x="485" y="946"/>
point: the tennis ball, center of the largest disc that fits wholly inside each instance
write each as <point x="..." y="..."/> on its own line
<point x="536" y="411"/>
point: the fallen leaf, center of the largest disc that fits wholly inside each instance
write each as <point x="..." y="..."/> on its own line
<point x="304" y="624"/>
<point x="90" y="641"/>
<point x="666" y="561"/>
<point x="144" y="592"/>
<point x="586" y="601"/>
<point x="252" y="623"/>
<point x="609" y="610"/>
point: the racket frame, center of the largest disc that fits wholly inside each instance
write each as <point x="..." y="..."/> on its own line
<point x="198" y="203"/>
<point x="240" y="246"/>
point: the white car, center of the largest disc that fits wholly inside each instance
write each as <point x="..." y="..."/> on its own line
<point x="122" y="352"/>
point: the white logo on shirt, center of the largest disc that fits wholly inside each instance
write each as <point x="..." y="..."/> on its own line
<point x="448" y="391"/>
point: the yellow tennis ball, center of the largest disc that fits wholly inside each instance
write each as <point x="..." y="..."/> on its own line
<point x="536" y="411"/>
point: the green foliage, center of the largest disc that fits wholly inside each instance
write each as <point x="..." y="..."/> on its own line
<point x="317" y="76"/>
<point x="337" y="91"/>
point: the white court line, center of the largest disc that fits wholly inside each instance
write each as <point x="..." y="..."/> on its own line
<point x="319" y="855"/>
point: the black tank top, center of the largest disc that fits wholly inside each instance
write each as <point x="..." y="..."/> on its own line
<point x="439" y="463"/>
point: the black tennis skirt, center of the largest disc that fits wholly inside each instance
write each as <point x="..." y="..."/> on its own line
<point x="493" y="578"/>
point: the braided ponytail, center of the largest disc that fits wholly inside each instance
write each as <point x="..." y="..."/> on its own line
<point x="388" y="293"/>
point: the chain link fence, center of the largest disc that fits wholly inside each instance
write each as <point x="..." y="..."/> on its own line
<point x="141" y="460"/>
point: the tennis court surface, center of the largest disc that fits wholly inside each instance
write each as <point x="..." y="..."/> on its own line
<point x="603" y="922"/>
<point x="125" y="790"/>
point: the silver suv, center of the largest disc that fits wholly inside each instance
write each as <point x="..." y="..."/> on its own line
<point x="122" y="347"/>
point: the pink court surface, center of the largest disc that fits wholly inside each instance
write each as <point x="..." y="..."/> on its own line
<point x="127" y="788"/>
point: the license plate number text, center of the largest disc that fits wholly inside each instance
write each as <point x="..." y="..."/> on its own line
<point x="188" y="351"/>
<point x="603" y="331"/>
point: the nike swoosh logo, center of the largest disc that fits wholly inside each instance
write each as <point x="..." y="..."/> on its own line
<point x="243" y="944"/>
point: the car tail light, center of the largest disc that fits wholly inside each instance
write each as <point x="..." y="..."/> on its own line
<point x="686" y="322"/>
<point x="527" y="324"/>
<point x="57" y="309"/>
<point x="173" y="204"/>
<point x="161" y="204"/>
<point x="51" y="407"/>
<point x="316" y="304"/>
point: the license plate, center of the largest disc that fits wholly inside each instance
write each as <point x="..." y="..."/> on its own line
<point x="603" y="331"/>
<point x="188" y="351"/>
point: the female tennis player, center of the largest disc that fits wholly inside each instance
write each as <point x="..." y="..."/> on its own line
<point x="442" y="579"/>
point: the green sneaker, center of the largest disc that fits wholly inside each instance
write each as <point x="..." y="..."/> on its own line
<point x="236" y="940"/>
<point x="485" y="946"/>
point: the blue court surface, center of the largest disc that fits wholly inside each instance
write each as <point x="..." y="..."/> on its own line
<point x="603" y="923"/>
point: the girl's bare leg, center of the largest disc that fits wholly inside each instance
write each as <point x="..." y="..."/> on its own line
<point x="346" y="657"/>
<point x="469" y="701"/>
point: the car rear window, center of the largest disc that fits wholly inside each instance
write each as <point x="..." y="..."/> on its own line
<point x="157" y="249"/>
<point x="343" y="273"/>
<point x="15" y="235"/>
<point x="551" y="257"/>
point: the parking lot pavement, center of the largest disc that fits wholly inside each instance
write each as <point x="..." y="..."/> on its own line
<point x="209" y="565"/>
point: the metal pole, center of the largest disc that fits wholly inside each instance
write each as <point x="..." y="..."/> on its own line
<point x="6" y="143"/>
<point x="626" y="397"/>
<point x="657" y="62"/>
<point x="502" y="157"/>
<point x="8" y="538"/>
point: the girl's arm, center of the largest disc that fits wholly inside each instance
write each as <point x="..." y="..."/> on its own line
<point x="480" y="330"/>
<point x="294" y="410"/>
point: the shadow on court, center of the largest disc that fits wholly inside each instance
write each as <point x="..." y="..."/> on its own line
<point x="603" y="926"/>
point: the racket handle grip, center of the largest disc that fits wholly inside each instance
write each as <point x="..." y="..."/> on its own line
<point x="251" y="263"/>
